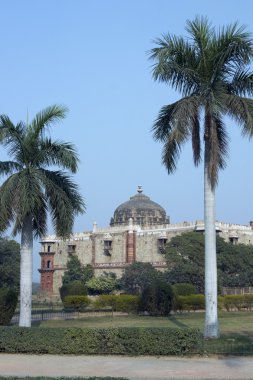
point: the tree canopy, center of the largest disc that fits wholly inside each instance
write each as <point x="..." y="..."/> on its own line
<point x="138" y="276"/>
<point x="185" y="255"/>
<point x="76" y="271"/>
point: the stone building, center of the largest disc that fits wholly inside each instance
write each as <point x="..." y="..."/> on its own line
<point x="138" y="231"/>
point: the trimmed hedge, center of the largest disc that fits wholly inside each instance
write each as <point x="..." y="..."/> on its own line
<point x="124" y="302"/>
<point x="107" y="341"/>
<point x="238" y="302"/>
<point x="192" y="302"/>
<point x="76" y="302"/>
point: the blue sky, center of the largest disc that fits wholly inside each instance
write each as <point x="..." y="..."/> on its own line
<point x="92" y="57"/>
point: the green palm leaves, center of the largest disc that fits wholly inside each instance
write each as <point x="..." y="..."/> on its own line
<point x="33" y="187"/>
<point x="211" y="70"/>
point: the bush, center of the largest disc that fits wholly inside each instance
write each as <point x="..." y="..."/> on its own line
<point x="74" y="288"/>
<point x="107" y="341"/>
<point x="184" y="289"/>
<point x="157" y="298"/>
<point x="76" y="302"/>
<point x="124" y="302"/>
<point x="192" y="302"/>
<point x="243" y="301"/>
<point x="104" y="284"/>
<point x="8" y="303"/>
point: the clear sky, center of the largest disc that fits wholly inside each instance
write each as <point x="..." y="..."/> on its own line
<point x="92" y="56"/>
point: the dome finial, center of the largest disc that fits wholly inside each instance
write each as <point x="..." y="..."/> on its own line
<point x="139" y="189"/>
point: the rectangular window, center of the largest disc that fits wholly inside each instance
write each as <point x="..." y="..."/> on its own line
<point x="161" y="244"/>
<point x="71" y="248"/>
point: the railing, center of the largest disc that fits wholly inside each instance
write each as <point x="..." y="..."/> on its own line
<point x="54" y="312"/>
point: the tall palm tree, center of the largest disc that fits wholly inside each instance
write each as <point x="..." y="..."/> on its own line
<point x="211" y="71"/>
<point x="33" y="189"/>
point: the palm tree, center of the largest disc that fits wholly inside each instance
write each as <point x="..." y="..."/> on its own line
<point x="33" y="189"/>
<point x="210" y="70"/>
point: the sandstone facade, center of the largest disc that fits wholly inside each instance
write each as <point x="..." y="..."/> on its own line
<point x="134" y="235"/>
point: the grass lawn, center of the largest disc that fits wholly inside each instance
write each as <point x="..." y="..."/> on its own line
<point x="230" y="322"/>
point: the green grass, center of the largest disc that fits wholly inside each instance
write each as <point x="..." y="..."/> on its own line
<point x="230" y="322"/>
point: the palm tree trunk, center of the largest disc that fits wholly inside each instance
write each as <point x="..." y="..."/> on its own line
<point x="26" y="269"/>
<point x="211" y="314"/>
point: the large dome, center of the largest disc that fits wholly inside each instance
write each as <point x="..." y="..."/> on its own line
<point x="141" y="209"/>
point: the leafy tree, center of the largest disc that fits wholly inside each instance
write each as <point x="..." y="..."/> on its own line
<point x="76" y="271"/>
<point x="8" y="303"/>
<point x="31" y="189"/>
<point x="73" y="271"/>
<point x="185" y="255"/>
<point x="88" y="273"/>
<point x="235" y="264"/>
<point x="211" y="71"/>
<point x="9" y="264"/>
<point x="157" y="298"/>
<point x="104" y="284"/>
<point x="137" y="276"/>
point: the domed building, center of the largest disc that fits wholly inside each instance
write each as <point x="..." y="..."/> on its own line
<point x="141" y="209"/>
<point x="138" y="232"/>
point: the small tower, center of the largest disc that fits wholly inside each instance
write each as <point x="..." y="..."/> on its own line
<point x="47" y="266"/>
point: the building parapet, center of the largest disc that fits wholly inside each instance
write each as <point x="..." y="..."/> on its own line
<point x="156" y="229"/>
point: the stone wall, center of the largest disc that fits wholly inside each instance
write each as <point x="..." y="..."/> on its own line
<point x="111" y="249"/>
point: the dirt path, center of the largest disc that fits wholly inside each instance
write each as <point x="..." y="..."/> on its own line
<point x="134" y="368"/>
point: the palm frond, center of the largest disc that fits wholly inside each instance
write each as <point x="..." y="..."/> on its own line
<point x="9" y="167"/>
<point x="59" y="153"/>
<point x="216" y="146"/>
<point x="64" y="200"/>
<point x="47" y="117"/>
<point x="12" y="137"/>
<point x="7" y="202"/>
<point x="174" y="126"/>
<point x="241" y="83"/>
<point x="201" y="33"/>
<point x="241" y="110"/>
<point x="176" y="63"/>
<point x="232" y="49"/>
<point x="196" y="144"/>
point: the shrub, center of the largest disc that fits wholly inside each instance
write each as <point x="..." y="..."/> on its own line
<point x="157" y="298"/>
<point x="192" y="302"/>
<point x="124" y="302"/>
<point x="184" y="289"/>
<point x="74" y="288"/>
<point x="104" y="284"/>
<point x="243" y="301"/>
<point x="107" y="341"/>
<point x="76" y="302"/>
<point x="8" y="303"/>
